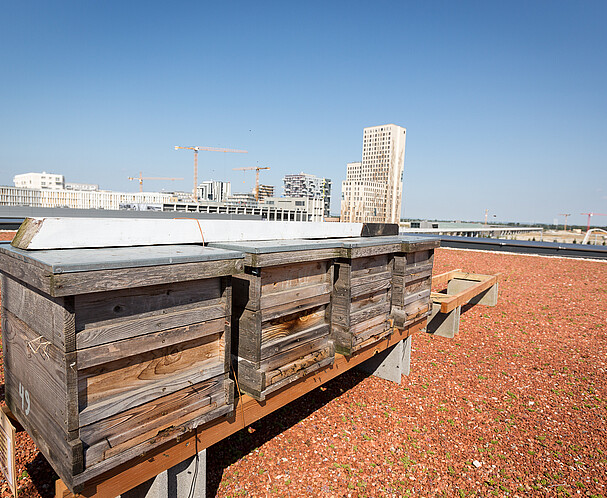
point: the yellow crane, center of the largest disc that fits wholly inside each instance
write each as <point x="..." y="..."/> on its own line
<point x="196" y="149"/>
<point x="256" y="168"/>
<point x="141" y="178"/>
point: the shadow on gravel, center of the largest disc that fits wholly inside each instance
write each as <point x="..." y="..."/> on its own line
<point x="230" y="450"/>
<point x="42" y="475"/>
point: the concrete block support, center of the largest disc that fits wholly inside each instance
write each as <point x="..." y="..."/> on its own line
<point x="487" y="297"/>
<point x="391" y="363"/>
<point x="188" y="478"/>
<point x="444" y="324"/>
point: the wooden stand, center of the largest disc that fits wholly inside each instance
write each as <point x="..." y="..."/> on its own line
<point x="462" y="288"/>
<point x="247" y="411"/>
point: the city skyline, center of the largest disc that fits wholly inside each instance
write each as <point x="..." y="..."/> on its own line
<point x="503" y="103"/>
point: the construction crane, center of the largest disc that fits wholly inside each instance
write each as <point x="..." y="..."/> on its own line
<point x="566" y="216"/>
<point x="256" y="168"/>
<point x="209" y="149"/>
<point x="590" y="215"/>
<point x="141" y="178"/>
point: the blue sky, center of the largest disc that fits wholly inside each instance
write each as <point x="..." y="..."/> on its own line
<point x="504" y="103"/>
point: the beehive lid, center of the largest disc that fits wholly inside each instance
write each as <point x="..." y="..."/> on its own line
<point x="58" y="261"/>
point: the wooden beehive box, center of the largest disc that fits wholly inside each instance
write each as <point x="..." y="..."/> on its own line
<point x="281" y="318"/>
<point x="362" y="293"/>
<point x="109" y="353"/>
<point x="412" y="279"/>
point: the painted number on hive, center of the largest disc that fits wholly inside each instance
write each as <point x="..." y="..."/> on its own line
<point x="25" y="399"/>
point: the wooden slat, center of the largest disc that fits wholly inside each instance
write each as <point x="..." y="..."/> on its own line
<point x="113" y="434"/>
<point x="443" y="279"/>
<point x="294" y="323"/>
<point x="113" y="351"/>
<point x="247" y="410"/>
<point x="295" y="294"/>
<point x="68" y="284"/>
<point x="107" y="308"/>
<point x="290" y="257"/>
<point x="285" y="277"/>
<point x="450" y="302"/>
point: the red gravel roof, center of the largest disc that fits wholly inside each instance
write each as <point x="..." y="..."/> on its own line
<point x="521" y="391"/>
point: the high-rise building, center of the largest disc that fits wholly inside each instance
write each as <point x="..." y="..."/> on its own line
<point x="372" y="191"/>
<point x="214" y="190"/>
<point x="309" y="186"/>
<point x="266" y="191"/>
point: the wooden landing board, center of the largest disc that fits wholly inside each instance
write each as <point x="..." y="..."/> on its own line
<point x="67" y="233"/>
<point x="246" y="412"/>
<point x="450" y="302"/>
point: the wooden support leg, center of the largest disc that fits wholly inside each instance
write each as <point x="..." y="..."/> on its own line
<point x="391" y="363"/>
<point x="444" y="324"/>
<point x="177" y="481"/>
<point x="487" y="297"/>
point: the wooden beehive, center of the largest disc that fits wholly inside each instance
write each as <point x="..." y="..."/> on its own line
<point x="412" y="279"/>
<point x="281" y="318"/>
<point x="362" y="294"/>
<point x="109" y="353"/>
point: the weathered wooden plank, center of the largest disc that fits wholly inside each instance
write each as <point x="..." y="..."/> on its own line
<point x="280" y="359"/>
<point x="285" y="344"/>
<point x="107" y="280"/>
<point x="38" y="365"/>
<point x="288" y="370"/>
<point x="410" y="313"/>
<point x="30" y="390"/>
<point x="372" y="264"/>
<point x="130" y="454"/>
<point x="296" y="294"/>
<point x="381" y="309"/>
<point x="369" y="280"/>
<point x="372" y="334"/>
<point x="246" y="289"/>
<point x="369" y="251"/>
<point x="292" y="324"/>
<point x="372" y="322"/>
<point x="289" y="308"/>
<point x="94" y="310"/>
<point x="370" y="288"/>
<point x="247" y="334"/>
<point x="148" y="391"/>
<point x="45" y="315"/>
<point x="25" y="271"/>
<point x="113" y="434"/>
<point x="145" y="372"/>
<point x="226" y="296"/>
<point x="285" y="277"/>
<point x="154" y="324"/>
<point x="113" y="351"/>
<point x="290" y="257"/>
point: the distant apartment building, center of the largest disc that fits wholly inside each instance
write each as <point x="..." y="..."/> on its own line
<point x="372" y="190"/>
<point x="309" y="186"/>
<point x="77" y="199"/>
<point x="89" y="187"/>
<point x="266" y="191"/>
<point x="214" y="190"/>
<point x="39" y="180"/>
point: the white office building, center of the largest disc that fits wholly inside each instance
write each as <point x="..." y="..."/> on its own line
<point x="40" y="181"/>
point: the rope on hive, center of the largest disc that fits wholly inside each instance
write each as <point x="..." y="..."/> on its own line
<point x="199" y="227"/>
<point x="40" y="345"/>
